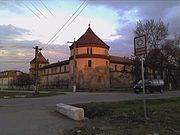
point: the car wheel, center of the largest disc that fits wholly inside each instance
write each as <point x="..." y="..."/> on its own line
<point x="151" y="91"/>
<point x="161" y="90"/>
<point x="137" y="92"/>
<point x="147" y="91"/>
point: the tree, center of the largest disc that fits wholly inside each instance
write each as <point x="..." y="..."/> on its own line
<point x="23" y="80"/>
<point x="155" y="32"/>
<point x="155" y="61"/>
<point x="171" y="52"/>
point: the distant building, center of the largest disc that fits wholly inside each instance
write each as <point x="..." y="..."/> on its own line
<point x="94" y="67"/>
<point x="7" y="78"/>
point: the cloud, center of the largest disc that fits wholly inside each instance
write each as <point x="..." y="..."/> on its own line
<point x="18" y="54"/>
<point x="11" y="5"/>
<point x="10" y="32"/>
<point x="129" y="11"/>
<point x="16" y="51"/>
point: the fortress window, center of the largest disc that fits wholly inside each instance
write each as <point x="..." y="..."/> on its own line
<point x="106" y="63"/>
<point x="64" y="68"/>
<point x="75" y="63"/>
<point x="89" y="63"/>
<point x="87" y="50"/>
<point x="90" y="50"/>
<point x="76" y="51"/>
<point x="115" y="68"/>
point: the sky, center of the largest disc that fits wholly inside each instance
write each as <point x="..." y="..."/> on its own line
<point x="28" y="23"/>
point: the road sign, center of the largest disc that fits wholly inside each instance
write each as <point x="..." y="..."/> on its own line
<point x="140" y="45"/>
<point x="140" y="50"/>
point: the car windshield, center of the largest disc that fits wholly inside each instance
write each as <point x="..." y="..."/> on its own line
<point x="145" y="81"/>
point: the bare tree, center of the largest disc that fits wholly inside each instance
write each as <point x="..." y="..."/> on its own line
<point x="155" y="32"/>
<point x="171" y="52"/>
<point x="155" y="61"/>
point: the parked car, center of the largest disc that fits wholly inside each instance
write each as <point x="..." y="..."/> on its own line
<point x="151" y="85"/>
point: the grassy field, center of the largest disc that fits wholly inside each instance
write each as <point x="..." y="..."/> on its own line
<point x="126" y="118"/>
<point x="4" y="94"/>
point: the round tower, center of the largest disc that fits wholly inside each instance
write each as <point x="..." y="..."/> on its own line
<point x="91" y="62"/>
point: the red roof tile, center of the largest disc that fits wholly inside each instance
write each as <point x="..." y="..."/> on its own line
<point x="41" y="59"/>
<point x="59" y="63"/>
<point x="89" y="37"/>
<point x="120" y="60"/>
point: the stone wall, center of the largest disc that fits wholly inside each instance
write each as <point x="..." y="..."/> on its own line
<point x="121" y="75"/>
<point x="60" y="80"/>
<point x="95" y="77"/>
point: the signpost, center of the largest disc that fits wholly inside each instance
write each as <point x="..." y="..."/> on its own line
<point x="140" y="51"/>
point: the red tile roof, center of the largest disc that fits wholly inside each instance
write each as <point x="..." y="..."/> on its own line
<point x="41" y="59"/>
<point x="59" y="63"/>
<point x="120" y="60"/>
<point x="88" y="38"/>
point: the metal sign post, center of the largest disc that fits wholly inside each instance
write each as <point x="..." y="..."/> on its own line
<point x="140" y="50"/>
<point x="144" y="98"/>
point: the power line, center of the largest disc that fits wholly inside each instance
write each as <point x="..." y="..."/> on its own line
<point x="64" y="24"/>
<point x="31" y="10"/>
<point x="46" y="7"/>
<point x="55" y="35"/>
<point x="71" y="22"/>
<point x="38" y="10"/>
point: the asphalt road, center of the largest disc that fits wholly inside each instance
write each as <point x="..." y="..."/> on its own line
<point x="37" y="116"/>
<point x="74" y="98"/>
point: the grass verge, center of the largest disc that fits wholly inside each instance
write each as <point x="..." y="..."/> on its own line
<point x="126" y="118"/>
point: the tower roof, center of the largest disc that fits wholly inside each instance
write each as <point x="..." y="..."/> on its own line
<point x="41" y="59"/>
<point x="90" y="38"/>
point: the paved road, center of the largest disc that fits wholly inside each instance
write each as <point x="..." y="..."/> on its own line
<point x="73" y="98"/>
<point x="36" y="116"/>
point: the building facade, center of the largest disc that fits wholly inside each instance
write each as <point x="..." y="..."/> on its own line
<point x="89" y="66"/>
<point x="7" y="78"/>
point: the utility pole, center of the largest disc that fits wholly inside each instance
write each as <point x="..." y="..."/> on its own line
<point x="74" y="65"/>
<point x="37" y="50"/>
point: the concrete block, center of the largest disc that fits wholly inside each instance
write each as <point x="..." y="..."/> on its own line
<point x="6" y="97"/>
<point x="72" y="112"/>
<point x="20" y="96"/>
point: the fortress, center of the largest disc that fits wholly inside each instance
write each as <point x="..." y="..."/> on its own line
<point x="92" y="67"/>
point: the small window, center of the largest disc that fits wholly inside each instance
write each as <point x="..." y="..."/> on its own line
<point x="76" y="64"/>
<point x="89" y="63"/>
<point x="60" y="69"/>
<point x="76" y="51"/>
<point x="55" y="70"/>
<point x="90" y="50"/>
<point x="87" y="50"/>
<point x="64" y="68"/>
<point x="106" y="63"/>
<point x="115" y="68"/>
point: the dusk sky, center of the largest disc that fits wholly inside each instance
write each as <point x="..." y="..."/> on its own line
<point x="27" y="23"/>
